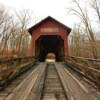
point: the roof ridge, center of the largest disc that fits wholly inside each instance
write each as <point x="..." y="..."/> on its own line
<point x="31" y="28"/>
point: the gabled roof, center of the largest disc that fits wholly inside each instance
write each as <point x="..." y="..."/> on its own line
<point x="42" y="21"/>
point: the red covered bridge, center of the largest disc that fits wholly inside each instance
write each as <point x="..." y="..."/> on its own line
<point x="49" y="36"/>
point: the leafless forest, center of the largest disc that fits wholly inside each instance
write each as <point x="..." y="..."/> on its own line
<point x="84" y="40"/>
<point x="14" y="38"/>
<point x="85" y="37"/>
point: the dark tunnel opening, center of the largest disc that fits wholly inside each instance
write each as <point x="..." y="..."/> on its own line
<point x="49" y="44"/>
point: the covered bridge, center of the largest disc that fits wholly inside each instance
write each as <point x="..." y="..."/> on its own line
<point x="49" y="36"/>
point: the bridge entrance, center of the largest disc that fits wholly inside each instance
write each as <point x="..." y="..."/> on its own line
<point x="49" y="36"/>
<point x="49" y="44"/>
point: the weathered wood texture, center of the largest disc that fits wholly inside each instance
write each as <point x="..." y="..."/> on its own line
<point x="49" y="26"/>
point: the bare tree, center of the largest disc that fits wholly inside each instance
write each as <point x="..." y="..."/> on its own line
<point x="14" y="38"/>
<point x="85" y="19"/>
<point x="24" y="18"/>
<point x="95" y="4"/>
<point x="5" y="22"/>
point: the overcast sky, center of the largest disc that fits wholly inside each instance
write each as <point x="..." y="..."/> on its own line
<point x="44" y="8"/>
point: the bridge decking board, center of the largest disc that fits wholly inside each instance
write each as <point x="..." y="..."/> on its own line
<point x="33" y="87"/>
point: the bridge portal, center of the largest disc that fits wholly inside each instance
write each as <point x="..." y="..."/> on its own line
<point x="49" y="44"/>
<point x="49" y="36"/>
